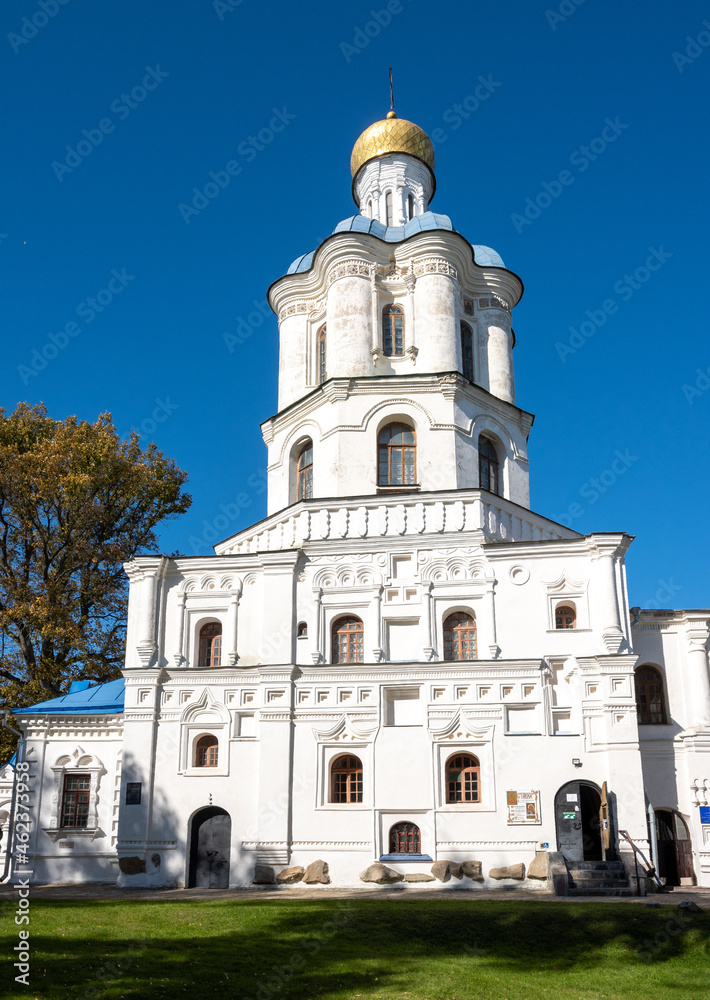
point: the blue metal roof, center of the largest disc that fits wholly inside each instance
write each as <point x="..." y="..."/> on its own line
<point x="101" y="699"/>
<point x="395" y="234"/>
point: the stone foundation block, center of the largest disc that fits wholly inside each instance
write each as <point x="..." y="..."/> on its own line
<point x="264" y="875"/>
<point x="511" y="871"/>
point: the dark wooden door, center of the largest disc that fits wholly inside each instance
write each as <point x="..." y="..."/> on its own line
<point x="211" y="836"/>
<point x="568" y="819"/>
<point x="577" y="818"/>
<point x="675" y="850"/>
<point x="604" y="822"/>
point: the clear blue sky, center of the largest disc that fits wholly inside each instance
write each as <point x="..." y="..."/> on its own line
<point x="214" y="73"/>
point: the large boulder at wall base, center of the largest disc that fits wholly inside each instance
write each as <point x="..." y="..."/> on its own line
<point x="511" y="871"/>
<point x="538" y="867"/>
<point x="289" y="876"/>
<point x="264" y="875"/>
<point x="419" y="877"/>
<point x="473" y="870"/>
<point x="380" y="874"/>
<point x="317" y="872"/>
<point x="441" y="870"/>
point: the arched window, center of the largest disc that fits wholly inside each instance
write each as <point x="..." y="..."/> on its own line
<point x="410" y="205"/>
<point x="346" y="779"/>
<point x="488" y="466"/>
<point x="460" y="637"/>
<point x="305" y="471"/>
<point x="302" y="630"/>
<point x="388" y="209"/>
<point x="397" y="456"/>
<point x="206" y="751"/>
<point x="467" y="351"/>
<point x="565" y="616"/>
<point x="650" y="696"/>
<point x="405" y="838"/>
<point x="321" y="349"/>
<point x="210" y="645"/>
<point x="393" y="331"/>
<point x="369" y="208"/>
<point x="348" y="640"/>
<point x="463" y="779"/>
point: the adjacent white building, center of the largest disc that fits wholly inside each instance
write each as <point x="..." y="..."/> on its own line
<point x="402" y="663"/>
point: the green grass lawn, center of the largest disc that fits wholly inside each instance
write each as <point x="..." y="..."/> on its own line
<point x="417" y="949"/>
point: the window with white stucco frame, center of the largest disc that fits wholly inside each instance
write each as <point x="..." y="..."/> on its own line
<point x="76" y="765"/>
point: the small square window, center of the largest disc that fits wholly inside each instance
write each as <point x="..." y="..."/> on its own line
<point x="133" y="793"/>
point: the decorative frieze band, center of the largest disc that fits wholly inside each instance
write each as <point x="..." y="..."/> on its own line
<point x="350" y="268"/>
<point x="434" y="265"/>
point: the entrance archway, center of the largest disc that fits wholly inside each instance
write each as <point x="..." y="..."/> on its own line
<point x="577" y="806"/>
<point x="675" y="851"/>
<point x="210" y="839"/>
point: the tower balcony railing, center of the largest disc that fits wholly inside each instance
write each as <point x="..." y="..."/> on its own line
<point x="486" y="517"/>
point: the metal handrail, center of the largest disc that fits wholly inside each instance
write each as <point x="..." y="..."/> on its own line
<point x="651" y="871"/>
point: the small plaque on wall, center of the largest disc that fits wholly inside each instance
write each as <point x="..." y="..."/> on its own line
<point x="705" y="814"/>
<point x="133" y="793"/>
<point x="523" y="807"/>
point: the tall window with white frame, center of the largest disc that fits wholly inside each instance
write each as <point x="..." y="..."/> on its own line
<point x="393" y="331"/>
<point x="460" y="636"/>
<point x="650" y="696"/>
<point x="463" y="778"/>
<point x="305" y="471"/>
<point x="467" y="351"/>
<point x="348" y="640"/>
<point x="207" y="751"/>
<point x="210" y="651"/>
<point x="410" y="205"/>
<point x="397" y="455"/>
<point x="75" y="801"/>
<point x="488" y="468"/>
<point x="346" y="779"/>
<point x="321" y="353"/>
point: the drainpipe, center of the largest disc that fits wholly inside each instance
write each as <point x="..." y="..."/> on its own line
<point x="652" y="839"/>
<point x="7" y="874"/>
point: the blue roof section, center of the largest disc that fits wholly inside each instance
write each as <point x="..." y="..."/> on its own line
<point x="301" y="263"/>
<point x="483" y="256"/>
<point x="101" y="699"/>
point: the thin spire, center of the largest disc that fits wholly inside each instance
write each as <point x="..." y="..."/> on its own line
<point x="392" y="113"/>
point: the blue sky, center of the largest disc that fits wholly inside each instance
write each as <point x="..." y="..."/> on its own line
<point x="591" y="117"/>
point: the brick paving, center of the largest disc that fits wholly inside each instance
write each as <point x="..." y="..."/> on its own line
<point x="106" y="892"/>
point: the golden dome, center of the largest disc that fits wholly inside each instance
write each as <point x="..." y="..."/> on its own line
<point x="393" y="135"/>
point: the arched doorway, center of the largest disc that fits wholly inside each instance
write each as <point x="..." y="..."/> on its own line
<point x="577" y="809"/>
<point x="210" y="838"/>
<point x="675" y="851"/>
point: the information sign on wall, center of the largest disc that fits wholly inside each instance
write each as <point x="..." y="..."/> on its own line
<point x="523" y="807"/>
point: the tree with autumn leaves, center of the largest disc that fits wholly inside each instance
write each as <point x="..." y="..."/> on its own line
<point x="76" y="502"/>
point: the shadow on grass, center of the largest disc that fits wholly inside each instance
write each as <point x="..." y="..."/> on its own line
<point x="268" y="950"/>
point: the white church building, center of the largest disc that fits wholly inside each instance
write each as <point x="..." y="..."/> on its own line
<point x="402" y="673"/>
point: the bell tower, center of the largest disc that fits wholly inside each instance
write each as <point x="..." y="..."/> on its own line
<point x="396" y="340"/>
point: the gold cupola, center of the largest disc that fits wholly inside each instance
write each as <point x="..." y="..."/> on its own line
<point x="392" y="135"/>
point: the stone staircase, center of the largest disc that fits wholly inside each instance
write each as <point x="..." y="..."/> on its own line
<point x="597" y="878"/>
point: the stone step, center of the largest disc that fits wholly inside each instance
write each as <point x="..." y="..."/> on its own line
<point x="614" y="866"/>
<point x="594" y="876"/>
<point x="600" y="892"/>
